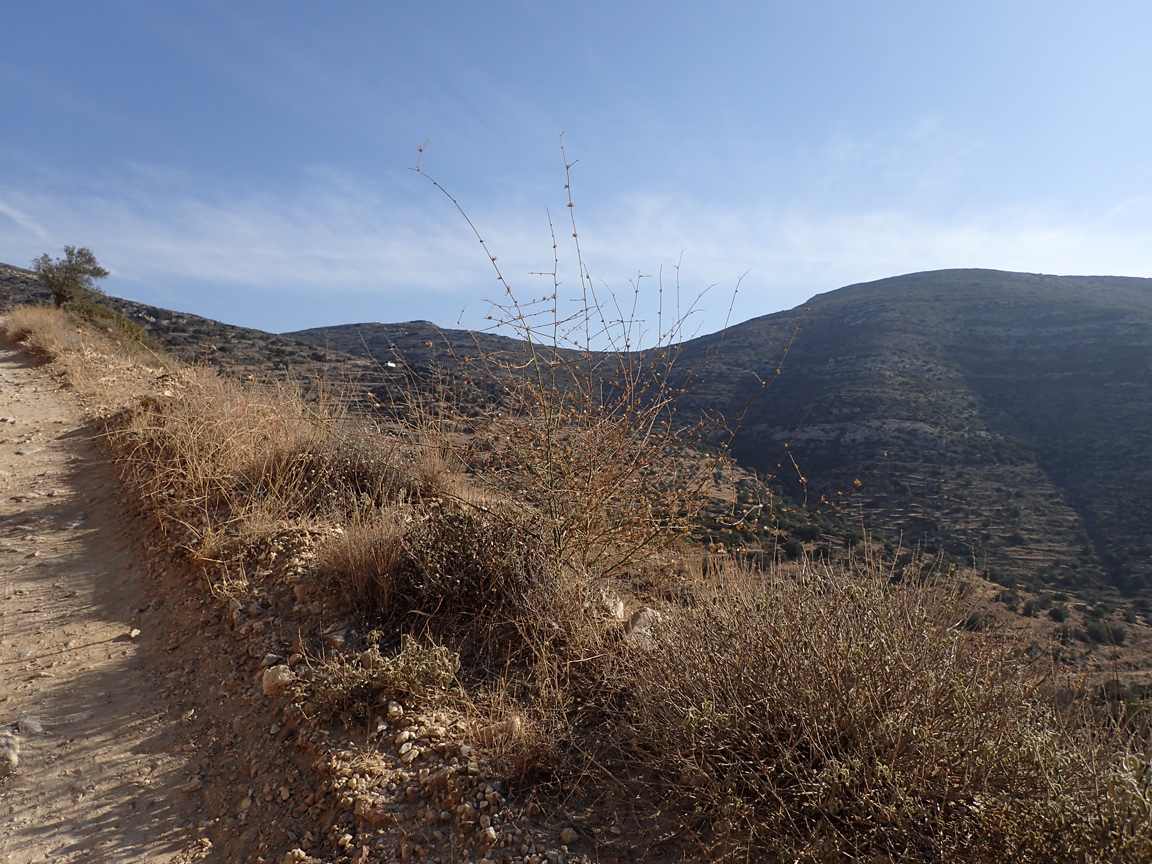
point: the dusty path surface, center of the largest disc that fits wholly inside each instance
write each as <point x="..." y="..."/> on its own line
<point x="103" y="773"/>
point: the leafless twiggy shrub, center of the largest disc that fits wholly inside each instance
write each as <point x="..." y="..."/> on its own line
<point x="579" y="424"/>
<point x="832" y="715"/>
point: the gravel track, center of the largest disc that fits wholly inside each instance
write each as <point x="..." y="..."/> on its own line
<point x="101" y="758"/>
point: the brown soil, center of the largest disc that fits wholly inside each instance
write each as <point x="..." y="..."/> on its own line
<point x="102" y="781"/>
<point x="153" y="743"/>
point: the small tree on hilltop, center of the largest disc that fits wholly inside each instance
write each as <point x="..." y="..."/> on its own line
<point x="72" y="277"/>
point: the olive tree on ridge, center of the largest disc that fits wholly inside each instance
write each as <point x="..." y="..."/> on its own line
<point x="72" y="277"/>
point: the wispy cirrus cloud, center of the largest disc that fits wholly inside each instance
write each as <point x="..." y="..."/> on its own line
<point x="335" y="246"/>
<point x="22" y="220"/>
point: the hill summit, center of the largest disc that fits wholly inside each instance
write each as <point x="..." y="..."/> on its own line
<point x="1006" y="415"/>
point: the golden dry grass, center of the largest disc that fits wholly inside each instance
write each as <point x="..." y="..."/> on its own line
<point x="801" y="714"/>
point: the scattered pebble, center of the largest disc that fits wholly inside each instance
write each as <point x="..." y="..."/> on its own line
<point x="276" y="679"/>
<point x="9" y="752"/>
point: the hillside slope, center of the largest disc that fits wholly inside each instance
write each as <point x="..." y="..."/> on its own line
<point x="191" y="338"/>
<point x="1014" y="409"/>
<point x="999" y="417"/>
<point x="383" y="659"/>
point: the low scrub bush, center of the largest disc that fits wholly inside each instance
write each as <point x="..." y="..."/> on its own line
<point x="834" y="716"/>
<point x="114" y="323"/>
<point x="465" y="574"/>
<point x="578" y="425"/>
<point x="350" y="688"/>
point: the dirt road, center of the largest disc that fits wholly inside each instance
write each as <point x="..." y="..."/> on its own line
<point x="103" y="772"/>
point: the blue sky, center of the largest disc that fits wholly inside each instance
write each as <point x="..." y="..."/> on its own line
<point x="251" y="161"/>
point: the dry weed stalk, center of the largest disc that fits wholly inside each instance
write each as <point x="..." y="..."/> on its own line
<point x="579" y="425"/>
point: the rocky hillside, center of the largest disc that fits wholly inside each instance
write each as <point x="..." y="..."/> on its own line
<point x="367" y="653"/>
<point x="1000" y="418"/>
<point x="1005" y="415"/>
<point x="238" y="351"/>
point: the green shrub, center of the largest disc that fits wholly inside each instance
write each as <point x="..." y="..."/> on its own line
<point x="72" y="277"/>
<point x="115" y="323"/>
<point x="1097" y="631"/>
<point x="793" y="548"/>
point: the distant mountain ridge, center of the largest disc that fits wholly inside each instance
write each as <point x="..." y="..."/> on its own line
<point x="1015" y="409"/>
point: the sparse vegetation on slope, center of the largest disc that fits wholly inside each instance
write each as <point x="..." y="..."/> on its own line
<point x="1012" y="407"/>
<point x="804" y="712"/>
<point x="832" y="715"/>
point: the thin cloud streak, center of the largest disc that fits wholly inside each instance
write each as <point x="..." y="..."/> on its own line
<point x="335" y="237"/>
<point x="23" y="220"/>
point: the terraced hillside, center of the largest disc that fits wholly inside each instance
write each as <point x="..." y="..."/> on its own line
<point x="1015" y="411"/>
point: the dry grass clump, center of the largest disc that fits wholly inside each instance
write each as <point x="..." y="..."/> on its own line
<point x="351" y="688"/>
<point x="833" y="715"/>
<point x="237" y="459"/>
<point x="217" y="457"/>
<point x="364" y="557"/>
<point x="109" y="372"/>
<point x="44" y="331"/>
<point x="456" y="571"/>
